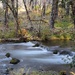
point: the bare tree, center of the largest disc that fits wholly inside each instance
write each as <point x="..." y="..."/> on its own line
<point x="13" y="6"/>
<point x="28" y="14"/>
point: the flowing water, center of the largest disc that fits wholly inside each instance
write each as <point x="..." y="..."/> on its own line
<point x="34" y="57"/>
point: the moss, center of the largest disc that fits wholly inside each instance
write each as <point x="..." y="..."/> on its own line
<point x="9" y="34"/>
<point x="14" y="61"/>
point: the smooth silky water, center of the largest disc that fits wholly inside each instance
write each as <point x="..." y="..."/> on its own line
<point x="33" y="57"/>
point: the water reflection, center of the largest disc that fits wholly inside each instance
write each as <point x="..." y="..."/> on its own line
<point x="61" y="43"/>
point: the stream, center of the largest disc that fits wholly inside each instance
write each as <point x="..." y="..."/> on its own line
<point x="35" y="58"/>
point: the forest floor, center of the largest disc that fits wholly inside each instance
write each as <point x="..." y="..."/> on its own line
<point x="41" y="28"/>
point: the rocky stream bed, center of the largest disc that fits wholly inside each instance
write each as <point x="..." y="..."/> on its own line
<point x="41" y="58"/>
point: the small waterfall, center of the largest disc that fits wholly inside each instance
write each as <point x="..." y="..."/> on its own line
<point x="44" y="49"/>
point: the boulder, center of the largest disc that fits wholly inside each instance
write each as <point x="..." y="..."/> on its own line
<point x="36" y="45"/>
<point x="65" y="52"/>
<point x="14" y="61"/>
<point x="7" y="55"/>
<point x="55" y="51"/>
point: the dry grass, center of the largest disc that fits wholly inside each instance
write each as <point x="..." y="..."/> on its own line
<point x="22" y="72"/>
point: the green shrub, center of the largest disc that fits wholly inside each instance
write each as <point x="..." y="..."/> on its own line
<point x="9" y="34"/>
<point x="62" y="73"/>
<point x="45" y="33"/>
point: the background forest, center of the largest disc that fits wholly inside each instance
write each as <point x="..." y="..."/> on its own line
<point x="37" y="19"/>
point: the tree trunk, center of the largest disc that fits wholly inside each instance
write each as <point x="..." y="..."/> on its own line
<point x="13" y="6"/>
<point x="35" y="4"/>
<point x="73" y="11"/>
<point x="31" y="4"/>
<point x="6" y="15"/>
<point x="54" y="13"/>
<point x="63" y="3"/>
<point x="67" y="8"/>
<point x="28" y="15"/>
<point x="16" y="13"/>
<point x="44" y="8"/>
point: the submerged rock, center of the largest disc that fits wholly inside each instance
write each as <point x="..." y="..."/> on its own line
<point x="55" y="51"/>
<point x="14" y="61"/>
<point x="7" y="55"/>
<point x="65" y="52"/>
<point x="36" y="45"/>
<point x="8" y="70"/>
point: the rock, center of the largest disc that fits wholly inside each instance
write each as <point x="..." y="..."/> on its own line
<point x="10" y="69"/>
<point x="14" y="61"/>
<point x="7" y="55"/>
<point x="55" y="51"/>
<point x="7" y="72"/>
<point x="65" y="52"/>
<point x="36" y="45"/>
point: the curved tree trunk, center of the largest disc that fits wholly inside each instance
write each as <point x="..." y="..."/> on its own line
<point x="28" y="15"/>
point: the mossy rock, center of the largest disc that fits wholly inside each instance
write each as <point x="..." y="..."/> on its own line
<point x="14" y="61"/>
<point x="36" y="45"/>
<point x="62" y="73"/>
<point x="7" y="55"/>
